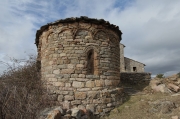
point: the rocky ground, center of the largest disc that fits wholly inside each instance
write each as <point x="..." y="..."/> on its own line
<point x="160" y="99"/>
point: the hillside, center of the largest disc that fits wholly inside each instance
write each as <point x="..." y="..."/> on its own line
<point x="148" y="103"/>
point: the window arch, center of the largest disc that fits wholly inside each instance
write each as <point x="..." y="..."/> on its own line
<point x="91" y="54"/>
<point x="90" y="62"/>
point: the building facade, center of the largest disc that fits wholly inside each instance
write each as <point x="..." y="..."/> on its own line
<point x="129" y="65"/>
<point x="79" y="62"/>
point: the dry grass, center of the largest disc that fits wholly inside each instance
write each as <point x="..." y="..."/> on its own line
<point x="138" y="107"/>
<point x="21" y="91"/>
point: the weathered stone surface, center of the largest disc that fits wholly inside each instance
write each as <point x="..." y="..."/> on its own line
<point x="56" y="72"/>
<point x="80" y="59"/>
<point x="83" y="89"/>
<point x="78" y="84"/>
<point x="76" y="102"/>
<point x="82" y="75"/>
<point x="52" y="79"/>
<point x="68" y="97"/>
<point x="76" y="113"/>
<point x="106" y="100"/>
<point x="51" y="113"/>
<point x="81" y="79"/>
<point x="99" y="83"/>
<point x="60" y="98"/>
<point x="92" y="94"/>
<point x="90" y="84"/>
<point x="90" y="107"/>
<point x="67" y="71"/>
<point x="112" y="82"/>
<point x="66" y="104"/>
<point x="70" y="66"/>
<point x="80" y="95"/>
<point x="79" y="65"/>
<point x="58" y="84"/>
<point x="174" y="117"/>
<point x="135" y="77"/>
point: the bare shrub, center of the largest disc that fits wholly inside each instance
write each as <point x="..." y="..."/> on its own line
<point x="21" y="91"/>
<point x="178" y="74"/>
<point x="160" y="76"/>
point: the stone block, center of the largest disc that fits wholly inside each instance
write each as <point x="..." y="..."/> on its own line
<point x="67" y="71"/>
<point x="77" y="84"/>
<point x="107" y="109"/>
<point x="110" y="105"/>
<point x="99" y="83"/>
<point x="62" y="54"/>
<point x="66" y="105"/>
<point x="80" y="95"/>
<point x="62" y="66"/>
<point x="80" y="66"/>
<point x="60" y="98"/>
<point x="61" y="84"/>
<point x="82" y="79"/>
<point x="89" y="76"/>
<point x="75" y="102"/>
<point x="105" y="93"/>
<point x="112" y="82"/>
<point x="113" y="78"/>
<point x="82" y="76"/>
<point x="74" y="75"/>
<point x="83" y="89"/>
<point x="68" y="97"/>
<point x="92" y="94"/>
<point x="97" y="88"/>
<point x="52" y="79"/>
<point x="90" y="84"/>
<point x="70" y="66"/>
<point x="106" y="100"/>
<point x="63" y="79"/>
<point x="67" y="76"/>
<point x="57" y="71"/>
<point x="97" y="101"/>
<point x="68" y="84"/>
<point x="90" y="107"/>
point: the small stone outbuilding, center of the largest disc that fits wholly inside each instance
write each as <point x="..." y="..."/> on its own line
<point x="129" y="65"/>
<point x="79" y="61"/>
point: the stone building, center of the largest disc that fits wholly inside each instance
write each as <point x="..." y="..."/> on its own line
<point x="79" y="61"/>
<point x="129" y="65"/>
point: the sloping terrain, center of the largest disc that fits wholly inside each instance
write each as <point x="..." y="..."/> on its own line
<point x="142" y="102"/>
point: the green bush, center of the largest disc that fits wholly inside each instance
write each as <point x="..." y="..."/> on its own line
<point x="160" y="76"/>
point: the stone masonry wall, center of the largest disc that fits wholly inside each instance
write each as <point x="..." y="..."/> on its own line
<point x="135" y="77"/>
<point x="133" y="66"/>
<point x="79" y="61"/>
<point x="122" y="63"/>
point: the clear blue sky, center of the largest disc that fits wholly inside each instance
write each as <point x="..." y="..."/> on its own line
<point x="150" y="27"/>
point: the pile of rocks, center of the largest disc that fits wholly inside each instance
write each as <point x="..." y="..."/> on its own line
<point x="170" y="84"/>
<point x="58" y="113"/>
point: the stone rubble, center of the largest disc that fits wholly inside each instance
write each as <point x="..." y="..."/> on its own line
<point x="59" y="113"/>
<point x="166" y="85"/>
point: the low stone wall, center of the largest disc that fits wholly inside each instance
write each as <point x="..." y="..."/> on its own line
<point x="134" y="77"/>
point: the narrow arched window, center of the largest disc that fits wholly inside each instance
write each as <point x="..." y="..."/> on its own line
<point x="90" y="62"/>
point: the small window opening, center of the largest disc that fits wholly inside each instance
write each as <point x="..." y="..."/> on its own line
<point x="134" y="69"/>
<point x="125" y="68"/>
<point x="90" y="62"/>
